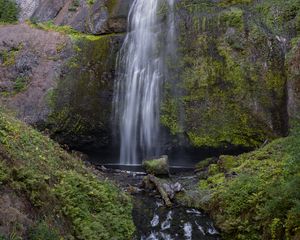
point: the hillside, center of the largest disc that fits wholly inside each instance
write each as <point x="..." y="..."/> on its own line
<point x="46" y="193"/>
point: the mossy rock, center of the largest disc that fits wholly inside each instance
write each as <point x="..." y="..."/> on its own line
<point x="204" y="164"/>
<point x="157" y="167"/>
<point x="227" y="162"/>
<point x="213" y="169"/>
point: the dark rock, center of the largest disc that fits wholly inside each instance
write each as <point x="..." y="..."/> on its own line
<point x="48" y="10"/>
<point x="177" y="187"/>
<point x="231" y="175"/>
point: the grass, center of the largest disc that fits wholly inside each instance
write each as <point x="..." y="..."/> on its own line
<point x="72" y="33"/>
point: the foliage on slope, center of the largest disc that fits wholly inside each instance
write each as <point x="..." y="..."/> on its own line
<point x="64" y="199"/>
<point x="256" y="195"/>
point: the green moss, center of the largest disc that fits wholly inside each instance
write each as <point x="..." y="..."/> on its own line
<point x="74" y="5"/>
<point x="203" y="165"/>
<point x="279" y="16"/>
<point x="76" y="100"/>
<point x="59" y="187"/>
<point x="233" y="78"/>
<point x="83" y="199"/>
<point x="156" y="166"/>
<point x="8" y="57"/>
<point x="261" y="201"/>
<point x="224" y="3"/>
<point x="75" y="35"/>
<point x="169" y="116"/>
<point x="232" y="17"/>
<point x="213" y="169"/>
<point x="111" y="4"/>
<point x="90" y="2"/>
<point x="227" y="162"/>
<point x="3" y="172"/>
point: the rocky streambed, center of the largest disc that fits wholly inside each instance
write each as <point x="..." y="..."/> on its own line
<point x="155" y="220"/>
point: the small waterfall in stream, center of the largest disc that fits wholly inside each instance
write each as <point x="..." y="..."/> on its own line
<point x="141" y="71"/>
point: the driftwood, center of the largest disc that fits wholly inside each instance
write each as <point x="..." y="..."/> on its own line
<point x="150" y="179"/>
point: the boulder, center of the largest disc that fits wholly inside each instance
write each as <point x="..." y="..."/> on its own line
<point x="158" y="166"/>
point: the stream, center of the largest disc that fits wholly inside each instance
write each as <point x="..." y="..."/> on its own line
<point x="155" y="221"/>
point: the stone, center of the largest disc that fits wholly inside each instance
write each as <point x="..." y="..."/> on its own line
<point x="177" y="187"/>
<point x="168" y="189"/>
<point x="158" y="166"/>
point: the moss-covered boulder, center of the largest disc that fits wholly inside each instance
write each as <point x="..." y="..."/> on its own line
<point x="158" y="167"/>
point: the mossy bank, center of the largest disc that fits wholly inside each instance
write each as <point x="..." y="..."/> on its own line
<point x="254" y="195"/>
<point x="46" y="193"/>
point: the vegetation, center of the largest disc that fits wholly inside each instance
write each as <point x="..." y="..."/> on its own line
<point x="255" y="195"/>
<point x="75" y="35"/>
<point x="233" y="73"/>
<point x="66" y="198"/>
<point x="7" y="57"/>
<point x="8" y="11"/>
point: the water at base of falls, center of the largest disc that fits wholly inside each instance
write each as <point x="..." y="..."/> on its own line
<point x="153" y="220"/>
<point x="141" y="72"/>
<point x="156" y="222"/>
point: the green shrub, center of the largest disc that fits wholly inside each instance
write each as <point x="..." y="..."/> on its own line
<point x="94" y="209"/>
<point x="21" y="84"/>
<point x="60" y="188"/>
<point x="8" y="11"/>
<point x="43" y="232"/>
<point x="262" y="201"/>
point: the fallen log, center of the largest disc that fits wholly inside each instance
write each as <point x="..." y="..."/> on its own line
<point x="154" y="180"/>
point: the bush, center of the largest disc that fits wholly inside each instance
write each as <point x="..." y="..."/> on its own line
<point x="43" y="232"/>
<point x="8" y="11"/>
<point x="262" y="201"/>
<point x="59" y="188"/>
<point x="94" y="209"/>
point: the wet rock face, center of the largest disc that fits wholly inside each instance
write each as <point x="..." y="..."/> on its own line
<point x="232" y="89"/>
<point x="81" y="103"/>
<point x="99" y="17"/>
<point x="27" y="8"/>
<point x="294" y="85"/>
<point x="60" y="85"/>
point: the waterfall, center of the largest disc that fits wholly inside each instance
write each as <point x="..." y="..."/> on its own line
<point x="141" y="72"/>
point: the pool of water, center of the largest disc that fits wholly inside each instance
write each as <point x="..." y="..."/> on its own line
<point x="155" y="221"/>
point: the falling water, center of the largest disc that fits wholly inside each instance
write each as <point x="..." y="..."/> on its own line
<point x="141" y="72"/>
